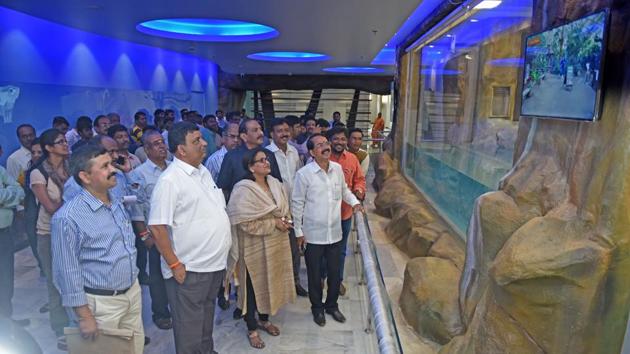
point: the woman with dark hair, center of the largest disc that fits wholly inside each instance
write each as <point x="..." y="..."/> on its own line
<point x="31" y="206"/>
<point x="260" y="217"/>
<point x="47" y="178"/>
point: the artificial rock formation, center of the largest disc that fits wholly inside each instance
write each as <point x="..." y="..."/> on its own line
<point x="548" y="255"/>
<point x="429" y="298"/>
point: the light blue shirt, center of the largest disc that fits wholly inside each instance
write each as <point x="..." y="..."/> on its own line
<point x="213" y="164"/>
<point x="93" y="245"/>
<point x="143" y="179"/>
<point x="122" y="188"/>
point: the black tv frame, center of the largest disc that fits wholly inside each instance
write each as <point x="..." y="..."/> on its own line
<point x="599" y="94"/>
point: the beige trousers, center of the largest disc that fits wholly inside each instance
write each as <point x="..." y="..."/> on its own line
<point x="122" y="312"/>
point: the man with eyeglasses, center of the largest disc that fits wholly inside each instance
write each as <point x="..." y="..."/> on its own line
<point x="143" y="179"/>
<point x="289" y="162"/>
<point x="318" y="191"/>
<point x="232" y="170"/>
<point x="229" y="140"/>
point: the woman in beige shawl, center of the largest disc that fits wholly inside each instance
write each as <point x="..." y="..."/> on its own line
<point x="259" y="214"/>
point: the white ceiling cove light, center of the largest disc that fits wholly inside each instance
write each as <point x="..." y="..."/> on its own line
<point x="488" y="4"/>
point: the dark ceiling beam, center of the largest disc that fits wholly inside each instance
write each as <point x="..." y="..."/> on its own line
<point x="374" y="84"/>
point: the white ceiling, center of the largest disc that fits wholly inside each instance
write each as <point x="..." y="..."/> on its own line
<point x="351" y="31"/>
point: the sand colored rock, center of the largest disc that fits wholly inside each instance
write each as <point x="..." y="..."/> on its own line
<point x="449" y="247"/>
<point x="384" y="167"/>
<point x="492" y="331"/>
<point x="393" y="188"/>
<point x="429" y="298"/>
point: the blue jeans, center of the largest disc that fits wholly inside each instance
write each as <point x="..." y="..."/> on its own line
<point x="346" y="226"/>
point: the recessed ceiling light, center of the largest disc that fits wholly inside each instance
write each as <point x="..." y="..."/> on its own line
<point x="431" y="46"/>
<point x="474" y="20"/>
<point x="488" y="4"/>
<point x="354" y="69"/>
<point x="208" y="30"/>
<point x="288" y="56"/>
<point x="449" y="35"/>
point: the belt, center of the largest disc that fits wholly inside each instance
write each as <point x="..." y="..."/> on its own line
<point x="102" y="292"/>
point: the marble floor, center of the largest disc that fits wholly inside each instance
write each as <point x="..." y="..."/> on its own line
<point x="299" y="333"/>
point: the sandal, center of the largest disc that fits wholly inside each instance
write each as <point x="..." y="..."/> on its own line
<point x="269" y="328"/>
<point x="254" y="340"/>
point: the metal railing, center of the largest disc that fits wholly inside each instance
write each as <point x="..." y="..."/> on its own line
<point x="382" y="317"/>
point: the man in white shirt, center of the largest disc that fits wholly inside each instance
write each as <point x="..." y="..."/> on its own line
<point x="289" y="163"/>
<point x="191" y="229"/>
<point x="18" y="161"/>
<point x="230" y="140"/>
<point x="316" y="208"/>
<point x="143" y="180"/>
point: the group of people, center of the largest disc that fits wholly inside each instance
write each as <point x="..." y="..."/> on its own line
<point x="212" y="205"/>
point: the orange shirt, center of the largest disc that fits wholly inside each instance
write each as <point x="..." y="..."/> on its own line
<point x="378" y="127"/>
<point x="353" y="175"/>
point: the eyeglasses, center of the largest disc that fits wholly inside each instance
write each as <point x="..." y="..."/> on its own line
<point x="61" y="142"/>
<point x="262" y="160"/>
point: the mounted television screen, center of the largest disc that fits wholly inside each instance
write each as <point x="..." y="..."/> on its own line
<point x="563" y="70"/>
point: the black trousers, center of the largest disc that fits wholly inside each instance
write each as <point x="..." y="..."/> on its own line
<point x="295" y="256"/>
<point x="157" y="289"/>
<point x="141" y="258"/>
<point x="313" y="256"/>
<point x="6" y="271"/>
<point x="192" y="306"/>
<point x="250" y="315"/>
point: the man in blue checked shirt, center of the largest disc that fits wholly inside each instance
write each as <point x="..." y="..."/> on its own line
<point x="94" y="253"/>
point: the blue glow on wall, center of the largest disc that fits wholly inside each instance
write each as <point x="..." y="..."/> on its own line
<point x="207" y="30"/>
<point x="48" y="69"/>
<point x="354" y="70"/>
<point x="387" y="55"/>
<point x="288" y="56"/>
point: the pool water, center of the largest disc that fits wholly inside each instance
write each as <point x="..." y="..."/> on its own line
<point x="452" y="177"/>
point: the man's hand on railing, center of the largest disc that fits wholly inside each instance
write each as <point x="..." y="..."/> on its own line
<point x="358" y="208"/>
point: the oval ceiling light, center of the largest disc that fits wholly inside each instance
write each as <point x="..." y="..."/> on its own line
<point x="288" y="56"/>
<point x="354" y="70"/>
<point x="207" y="30"/>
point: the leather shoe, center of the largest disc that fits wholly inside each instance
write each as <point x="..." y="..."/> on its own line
<point x="342" y="289"/>
<point x="300" y="291"/>
<point x="223" y="303"/>
<point x="320" y="319"/>
<point x="147" y="340"/>
<point x="337" y="315"/>
<point x="163" y="323"/>
<point x="237" y="314"/>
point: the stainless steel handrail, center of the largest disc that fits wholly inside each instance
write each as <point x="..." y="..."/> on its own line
<point x="386" y="332"/>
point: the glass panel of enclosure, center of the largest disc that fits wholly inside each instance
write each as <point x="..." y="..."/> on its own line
<point x="462" y="114"/>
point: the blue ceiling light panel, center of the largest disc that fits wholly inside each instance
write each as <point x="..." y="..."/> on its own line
<point x="207" y="30"/>
<point x="354" y="70"/>
<point x="292" y="57"/>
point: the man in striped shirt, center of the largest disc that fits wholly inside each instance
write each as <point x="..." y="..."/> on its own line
<point x="229" y="140"/>
<point x="94" y="256"/>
